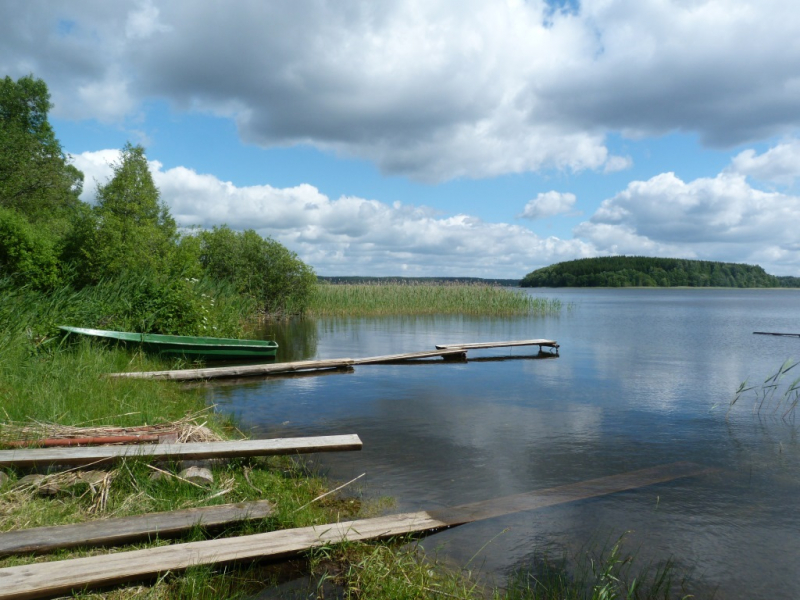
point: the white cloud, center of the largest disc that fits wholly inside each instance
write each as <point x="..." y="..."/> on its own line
<point x="720" y="218"/>
<point x="435" y="89"/>
<point x="144" y="22"/>
<point x="617" y="163"/>
<point x="713" y="218"/>
<point x="96" y="168"/>
<point x="350" y="234"/>
<point x="548" y="204"/>
<point x="780" y="164"/>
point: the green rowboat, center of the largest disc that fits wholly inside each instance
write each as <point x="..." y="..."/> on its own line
<point x="206" y="348"/>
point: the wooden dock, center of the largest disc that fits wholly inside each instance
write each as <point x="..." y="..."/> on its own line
<point x="41" y="580"/>
<point x="447" y="352"/>
<point x="480" y="345"/>
<point x="98" y="455"/>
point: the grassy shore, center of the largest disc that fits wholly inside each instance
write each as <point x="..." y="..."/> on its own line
<point x="386" y="299"/>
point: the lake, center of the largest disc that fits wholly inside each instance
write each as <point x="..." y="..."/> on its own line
<point x="644" y="378"/>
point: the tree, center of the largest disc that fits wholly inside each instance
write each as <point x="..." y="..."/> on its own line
<point x="262" y="268"/>
<point x="26" y="254"/>
<point x="35" y="178"/>
<point x="130" y="228"/>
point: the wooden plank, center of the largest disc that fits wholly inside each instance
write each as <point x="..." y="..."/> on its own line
<point x="98" y="455"/>
<point x="280" y="368"/>
<point x="373" y="360"/>
<point x="41" y="580"/>
<point x="239" y="371"/>
<point x="129" y="529"/>
<point x="782" y="334"/>
<point x="583" y="490"/>
<point x="548" y="343"/>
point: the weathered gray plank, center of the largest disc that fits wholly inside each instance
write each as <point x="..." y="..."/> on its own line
<point x="473" y="346"/>
<point x="49" y="579"/>
<point x="239" y="371"/>
<point x="128" y="529"/>
<point x="279" y="368"/>
<point x="373" y="360"/>
<point x="781" y="334"/>
<point x="97" y="455"/>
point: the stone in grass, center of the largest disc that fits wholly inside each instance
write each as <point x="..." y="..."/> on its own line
<point x="40" y="483"/>
<point x="93" y="478"/>
<point x="197" y="475"/>
<point x="3" y="479"/>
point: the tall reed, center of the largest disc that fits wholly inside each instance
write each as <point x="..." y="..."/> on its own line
<point x="775" y="396"/>
<point x="391" y="299"/>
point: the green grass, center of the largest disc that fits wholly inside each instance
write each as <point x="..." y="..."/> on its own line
<point x="427" y="299"/>
<point x="396" y="570"/>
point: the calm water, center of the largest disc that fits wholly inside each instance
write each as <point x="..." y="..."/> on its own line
<point x="644" y="378"/>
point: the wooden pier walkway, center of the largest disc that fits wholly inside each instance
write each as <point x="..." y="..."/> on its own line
<point x="448" y="352"/>
<point x="287" y="367"/>
<point x="98" y="455"/>
<point x="475" y="346"/>
<point x="41" y="580"/>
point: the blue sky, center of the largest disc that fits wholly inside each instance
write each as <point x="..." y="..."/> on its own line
<point x="474" y="138"/>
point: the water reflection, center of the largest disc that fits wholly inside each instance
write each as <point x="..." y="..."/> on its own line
<point x="644" y="378"/>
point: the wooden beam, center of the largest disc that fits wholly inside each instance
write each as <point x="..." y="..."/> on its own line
<point x="782" y="334"/>
<point x="548" y="343"/>
<point x="281" y="368"/>
<point x="42" y="580"/>
<point x="239" y="371"/>
<point x="374" y="360"/>
<point x="97" y="455"/>
<point x="124" y="530"/>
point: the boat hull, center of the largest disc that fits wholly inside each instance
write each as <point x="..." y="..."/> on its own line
<point x="205" y="348"/>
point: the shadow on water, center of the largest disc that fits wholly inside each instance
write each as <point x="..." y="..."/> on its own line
<point x="297" y="337"/>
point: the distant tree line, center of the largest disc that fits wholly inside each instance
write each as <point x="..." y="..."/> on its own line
<point x="643" y="271"/>
<point x="51" y="240"/>
<point x="355" y="279"/>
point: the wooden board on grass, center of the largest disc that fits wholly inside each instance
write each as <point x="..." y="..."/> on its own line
<point x="123" y="530"/>
<point x="98" y="455"/>
<point x="42" y="580"/>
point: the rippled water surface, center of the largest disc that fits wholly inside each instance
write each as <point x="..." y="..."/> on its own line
<point x="644" y="378"/>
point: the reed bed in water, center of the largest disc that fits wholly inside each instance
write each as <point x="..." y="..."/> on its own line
<point x="427" y="299"/>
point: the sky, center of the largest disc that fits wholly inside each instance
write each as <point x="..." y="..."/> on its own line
<point x="481" y="138"/>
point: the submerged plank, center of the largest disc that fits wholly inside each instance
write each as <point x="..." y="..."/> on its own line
<point x="49" y="579"/>
<point x="583" y="490"/>
<point x="128" y="529"/>
<point x="477" y="345"/>
<point x="98" y="455"/>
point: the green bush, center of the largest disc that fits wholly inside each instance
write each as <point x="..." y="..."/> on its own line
<point x="26" y="254"/>
<point x="261" y="268"/>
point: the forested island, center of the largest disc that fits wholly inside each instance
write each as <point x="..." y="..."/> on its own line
<point x="645" y="271"/>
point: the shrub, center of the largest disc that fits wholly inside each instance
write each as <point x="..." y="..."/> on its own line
<point x="261" y="268"/>
<point x="26" y="254"/>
